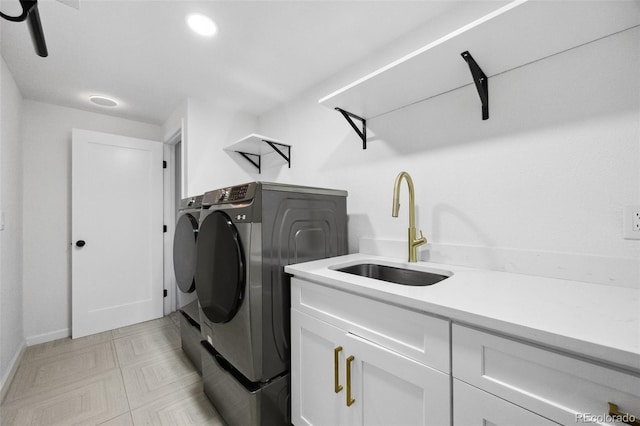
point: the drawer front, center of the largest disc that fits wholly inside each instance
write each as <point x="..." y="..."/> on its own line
<point x="475" y="407"/>
<point x="415" y="335"/>
<point x="557" y="386"/>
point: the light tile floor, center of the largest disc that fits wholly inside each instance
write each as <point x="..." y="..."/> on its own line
<point x="136" y="375"/>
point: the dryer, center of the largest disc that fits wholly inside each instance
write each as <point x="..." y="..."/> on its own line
<point x="248" y="233"/>
<point x="184" y="266"/>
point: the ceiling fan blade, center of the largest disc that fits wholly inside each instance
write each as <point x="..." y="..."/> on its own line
<point x="71" y="3"/>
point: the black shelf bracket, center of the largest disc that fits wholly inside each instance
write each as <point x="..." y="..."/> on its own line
<point x="275" y="145"/>
<point x="248" y="155"/>
<point x="481" y="81"/>
<point x="350" y="117"/>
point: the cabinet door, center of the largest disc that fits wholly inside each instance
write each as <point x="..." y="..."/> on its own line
<point x="390" y="389"/>
<point x="475" y="407"/>
<point x="314" y="344"/>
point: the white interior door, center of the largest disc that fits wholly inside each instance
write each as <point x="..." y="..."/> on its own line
<point x="117" y="210"/>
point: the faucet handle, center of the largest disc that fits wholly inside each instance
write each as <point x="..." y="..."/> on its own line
<point x="422" y="239"/>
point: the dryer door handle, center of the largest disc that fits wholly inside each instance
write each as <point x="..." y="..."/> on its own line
<point x="80" y="243"/>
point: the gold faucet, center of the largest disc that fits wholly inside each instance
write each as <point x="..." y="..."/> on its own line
<point x="413" y="241"/>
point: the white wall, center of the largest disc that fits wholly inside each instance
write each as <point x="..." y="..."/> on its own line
<point x="46" y="131"/>
<point x="209" y="130"/>
<point x="537" y="189"/>
<point x="11" y="321"/>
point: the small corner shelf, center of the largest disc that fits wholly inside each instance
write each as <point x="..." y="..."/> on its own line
<point x="514" y="35"/>
<point x="254" y="146"/>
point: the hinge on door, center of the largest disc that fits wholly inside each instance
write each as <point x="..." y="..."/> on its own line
<point x="164" y="293"/>
<point x="164" y="228"/>
<point x="164" y="164"/>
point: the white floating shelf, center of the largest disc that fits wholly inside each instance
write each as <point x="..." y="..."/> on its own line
<point x="254" y="146"/>
<point x="517" y="34"/>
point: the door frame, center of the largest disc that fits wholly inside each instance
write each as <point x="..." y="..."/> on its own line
<point x="170" y="190"/>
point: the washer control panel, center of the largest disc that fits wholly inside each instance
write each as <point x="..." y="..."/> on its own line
<point x="237" y="193"/>
<point x="230" y="195"/>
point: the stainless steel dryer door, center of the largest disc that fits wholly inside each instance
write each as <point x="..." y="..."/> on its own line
<point x="184" y="252"/>
<point x="220" y="270"/>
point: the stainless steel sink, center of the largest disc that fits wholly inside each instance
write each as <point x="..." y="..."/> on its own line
<point x="393" y="274"/>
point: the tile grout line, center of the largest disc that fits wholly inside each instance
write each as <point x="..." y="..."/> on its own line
<point x="124" y="386"/>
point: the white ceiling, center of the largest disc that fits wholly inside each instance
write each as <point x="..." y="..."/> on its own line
<point x="143" y="54"/>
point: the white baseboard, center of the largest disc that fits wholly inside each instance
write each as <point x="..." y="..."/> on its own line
<point x="8" y="377"/>
<point x="615" y="271"/>
<point x="47" y="337"/>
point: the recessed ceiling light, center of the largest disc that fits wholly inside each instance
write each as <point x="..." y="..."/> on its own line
<point x="102" y="101"/>
<point x="202" y="25"/>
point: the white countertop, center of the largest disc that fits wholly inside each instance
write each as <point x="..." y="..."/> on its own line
<point x="597" y="321"/>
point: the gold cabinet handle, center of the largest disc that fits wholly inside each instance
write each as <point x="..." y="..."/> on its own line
<point x="627" y="418"/>
<point x="350" y="400"/>
<point x="336" y="360"/>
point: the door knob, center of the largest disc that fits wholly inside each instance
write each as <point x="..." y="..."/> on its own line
<point x="80" y="243"/>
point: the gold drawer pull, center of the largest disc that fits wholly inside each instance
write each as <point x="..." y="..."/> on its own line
<point x="350" y="400"/>
<point x="336" y="360"/>
<point x="627" y="418"/>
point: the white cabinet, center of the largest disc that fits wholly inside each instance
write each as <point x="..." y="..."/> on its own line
<point x="314" y="371"/>
<point x="423" y="338"/>
<point x="340" y="378"/>
<point x="557" y="386"/>
<point x="390" y="389"/>
<point x="475" y="407"/>
<point x="358" y="360"/>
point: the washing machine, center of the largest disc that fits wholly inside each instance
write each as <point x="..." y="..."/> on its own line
<point x="184" y="266"/>
<point x="248" y="233"/>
